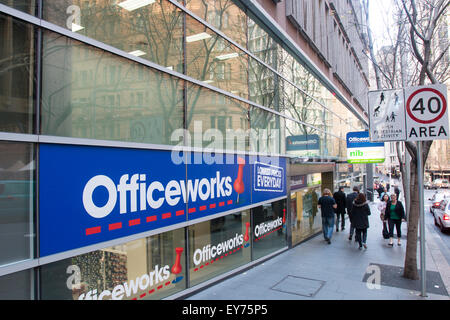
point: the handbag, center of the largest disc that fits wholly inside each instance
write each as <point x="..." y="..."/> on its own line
<point x="385" y="230"/>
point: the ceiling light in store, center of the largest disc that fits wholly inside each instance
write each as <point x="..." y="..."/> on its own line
<point x="227" y="56"/>
<point x="208" y="81"/>
<point x="137" y="53"/>
<point x="76" y="27"/>
<point x="198" y="37"/>
<point x="131" y="5"/>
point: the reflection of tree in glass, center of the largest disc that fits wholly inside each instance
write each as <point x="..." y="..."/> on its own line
<point x="107" y="96"/>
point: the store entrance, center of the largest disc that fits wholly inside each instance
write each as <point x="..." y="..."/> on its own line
<point x="305" y="220"/>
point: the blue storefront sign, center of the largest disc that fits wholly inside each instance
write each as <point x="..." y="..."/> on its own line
<point x="88" y="195"/>
<point x="268" y="181"/>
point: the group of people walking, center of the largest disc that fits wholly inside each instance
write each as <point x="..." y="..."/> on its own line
<point x="332" y="206"/>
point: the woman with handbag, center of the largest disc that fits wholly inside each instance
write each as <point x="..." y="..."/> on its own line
<point x="382" y="208"/>
<point x="394" y="214"/>
<point x="360" y="219"/>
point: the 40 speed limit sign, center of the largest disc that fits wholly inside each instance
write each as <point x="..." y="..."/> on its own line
<point x="426" y="113"/>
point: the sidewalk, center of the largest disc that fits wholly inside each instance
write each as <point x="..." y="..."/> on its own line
<point x="315" y="270"/>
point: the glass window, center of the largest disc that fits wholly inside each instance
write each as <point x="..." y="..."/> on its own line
<point x="269" y="228"/>
<point x="263" y="85"/>
<point x="89" y="93"/>
<point x="223" y="15"/>
<point x="152" y="30"/>
<point x="17" y="286"/>
<point x="213" y="60"/>
<point x="17" y="171"/>
<point x="304" y="218"/>
<point x="27" y="6"/>
<point x="16" y="75"/>
<point x="262" y="45"/>
<point x="219" y="245"/>
<point x="216" y="121"/>
<point x="302" y="107"/>
<point x="265" y="134"/>
<point x="144" y="269"/>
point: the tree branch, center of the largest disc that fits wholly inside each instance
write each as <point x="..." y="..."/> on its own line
<point x="433" y="65"/>
<point x="412" y="21"/>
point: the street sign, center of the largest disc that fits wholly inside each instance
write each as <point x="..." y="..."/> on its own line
<point x="387" y="115"/>
<point x="361" y="150"/>
<point x="426" y="113"/>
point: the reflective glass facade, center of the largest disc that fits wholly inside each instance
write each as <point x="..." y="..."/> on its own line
<point x="153" y="75"/>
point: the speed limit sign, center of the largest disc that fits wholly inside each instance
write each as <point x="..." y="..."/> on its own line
<point x="426" y="113"/>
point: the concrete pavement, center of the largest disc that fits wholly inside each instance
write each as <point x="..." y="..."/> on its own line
<point x="315" y="270"/>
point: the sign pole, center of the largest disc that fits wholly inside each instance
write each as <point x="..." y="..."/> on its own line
<point x="422" y="217"/>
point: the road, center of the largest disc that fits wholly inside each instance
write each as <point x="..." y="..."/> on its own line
<point x="443" y="238"/>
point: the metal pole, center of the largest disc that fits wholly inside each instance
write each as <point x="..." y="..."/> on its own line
<point x="422" y="217"/>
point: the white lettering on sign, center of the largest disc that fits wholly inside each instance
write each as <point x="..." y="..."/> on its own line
<point x="130" y="288"/>
<point x="153" y="195"/>
<point x="265" y="227"/>
<point x="268" y="178"/>
<point x="209" y="252"/>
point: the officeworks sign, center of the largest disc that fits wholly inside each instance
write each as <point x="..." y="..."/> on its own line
<point x="89" y="195"/>
<point x="361" y="150"/>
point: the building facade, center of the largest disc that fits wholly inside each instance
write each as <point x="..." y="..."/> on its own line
<point x="152" y="147"/>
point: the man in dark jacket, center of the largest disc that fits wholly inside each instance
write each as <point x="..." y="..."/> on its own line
<point x="340" y="198"/>
<point x="350" y="198"/>
<point x="327" y="205"/>
<point x="380" y="190"/>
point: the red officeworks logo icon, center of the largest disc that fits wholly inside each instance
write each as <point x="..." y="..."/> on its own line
<point x="238" y="184"/>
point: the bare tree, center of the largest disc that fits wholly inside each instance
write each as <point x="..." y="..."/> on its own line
<point x="429" y="63"/>
<point x="424" y="19"/>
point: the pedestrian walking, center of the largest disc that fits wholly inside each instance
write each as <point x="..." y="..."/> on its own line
<point x="385" y="192"/>
<point x="397" y="192"/>
<point x="380" y="190"/>
<point x="382" y="208"/>
<point x="360" y="219"/>
<point x="340" y="198"/>
<point x="327" y="205"/>
<point x="394" y="214"/>
<point x="350" y="198"/>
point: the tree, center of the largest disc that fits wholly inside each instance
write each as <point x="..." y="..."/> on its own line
<point x="424" y="20"/>
<point x="429" y="51"/>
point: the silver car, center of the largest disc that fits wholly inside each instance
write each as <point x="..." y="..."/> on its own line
<point x="436" y="199"/>
<point x="442" y="215"/>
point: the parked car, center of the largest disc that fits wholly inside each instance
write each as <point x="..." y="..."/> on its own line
<point x="440" y="183"/>
<point x="436" y="200"/>
<point x="442" y="215"/>
<point x="427" y="185"/>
